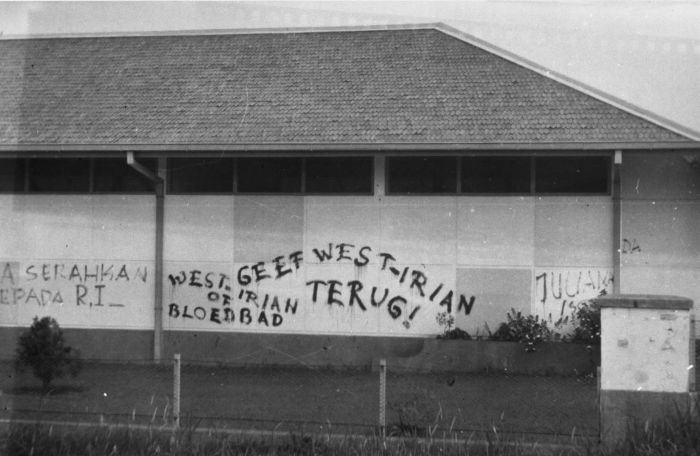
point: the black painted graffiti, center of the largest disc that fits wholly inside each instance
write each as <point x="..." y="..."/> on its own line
<point x="416" y="280"/>
<point x="562" y="292"/>
<point x="45" y="283"/>
<point x="630" y="246"/>
<point x="221" y="315"/>
<point x="83" y="273"/>
<point x="264" y="309"/>
<point x="219" y="287"/>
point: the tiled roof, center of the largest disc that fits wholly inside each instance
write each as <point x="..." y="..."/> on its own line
<point x="365" y="87"/>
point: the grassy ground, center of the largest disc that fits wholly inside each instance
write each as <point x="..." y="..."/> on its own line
<point x="312" y="400"/>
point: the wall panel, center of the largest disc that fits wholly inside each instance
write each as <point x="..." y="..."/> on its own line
<point x="495" y="231"/>
<point x="573" y="231"/>
<point x="267" y="226"/>
<point x="659" y="176"/>
<point x="420" y="230"/>
<point x="354" y="220"/>
<point x="497" y="291"/>
<point x="199" y="227"/>
<point x="661" y="233"/>
<point x="86" y="260"/>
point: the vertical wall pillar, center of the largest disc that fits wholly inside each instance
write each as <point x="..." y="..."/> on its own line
<point x="158" y="180"/>
<point x="647" y="354"/>
<point x="158" y="298"/>
<point x="617" y="223"/>
<point x="379" y="173"/>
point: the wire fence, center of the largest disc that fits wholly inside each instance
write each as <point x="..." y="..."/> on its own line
<point x="306" y="399"/>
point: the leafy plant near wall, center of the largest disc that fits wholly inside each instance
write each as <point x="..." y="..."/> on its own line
<point x="43" y="349"/>
<point x="449" y="330"/>
<point x="587" y="321"/>
<point x="527" y="329"/>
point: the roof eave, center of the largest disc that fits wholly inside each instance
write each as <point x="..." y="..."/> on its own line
<point x="574" y="84"/>
<point x="450" y="147"/>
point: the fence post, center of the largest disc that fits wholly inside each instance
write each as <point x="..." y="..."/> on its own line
<point x="176" y="391"/>
<point x="382" y="397"/>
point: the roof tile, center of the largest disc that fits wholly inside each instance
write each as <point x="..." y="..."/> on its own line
<point x="393" y="86"/>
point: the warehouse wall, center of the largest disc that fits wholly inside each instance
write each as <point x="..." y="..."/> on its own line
<point x="313" y="269"/>
<point x="660" y="225"/>
<point x="86" y="260"/>
<point x="372" y="265"/>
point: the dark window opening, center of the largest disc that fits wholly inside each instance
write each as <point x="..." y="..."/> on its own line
<point x="200" y="175"/>
<point x="12" y="171"/>
<point x="339" y="175"/>
<point x="421" y="174"/>
<point x="572" y="174"/>
<point x="484" y="174"/>
<point x="269" y="175"/>
<point x="114" y="175"/>
<point x="59" y="175"/>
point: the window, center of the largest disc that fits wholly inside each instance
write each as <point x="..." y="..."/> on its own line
<point x="114" y="175"/>
<point x="339" y="175"/>
<point x="421" y="174"/>
<point x="269" y="175"/>
<point x="69" y="175"/>
<point x="487" y="174"/>
<point x="572" y="174"/>
<point x="12" y="172"/>
<point x="200" y="175"/>
<point x="499" y="174"/>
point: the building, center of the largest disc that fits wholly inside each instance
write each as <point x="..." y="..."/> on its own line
<point x="322" y="196"/>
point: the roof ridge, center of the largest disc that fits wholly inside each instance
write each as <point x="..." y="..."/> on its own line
<point x="589" y="90"/>
<point x="245" y="31"/>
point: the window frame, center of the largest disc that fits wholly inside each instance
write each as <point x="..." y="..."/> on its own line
<point x="387" y="179"/>
<point x="169" y="186"/>
<point x="371" y="177"/>
<point x="530" y="155"/>
<point x="90" y="190"/>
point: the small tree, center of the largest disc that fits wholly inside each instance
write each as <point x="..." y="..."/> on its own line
<point x="42" y="348"/>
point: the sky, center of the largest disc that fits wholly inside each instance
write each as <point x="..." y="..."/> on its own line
<point x="644" y="52"/>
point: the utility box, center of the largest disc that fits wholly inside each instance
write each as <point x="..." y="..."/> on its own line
<point x="647" y="362"/>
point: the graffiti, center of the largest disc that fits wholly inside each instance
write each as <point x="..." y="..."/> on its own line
<point x="237" y="302"/>
<point x="79" y="284"/>
<point x="415" y="279"/>
<point x="630" y="246"/>
<point x="559" y="293"/>
<point x="222" y="315"/>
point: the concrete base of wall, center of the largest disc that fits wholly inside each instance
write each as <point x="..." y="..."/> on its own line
<point x="94" y="344"/>
<point x="298" y="350"/>
<point x="493" y="356"/>
<point x="625" y="414"/>
<point x="403" y="354"/>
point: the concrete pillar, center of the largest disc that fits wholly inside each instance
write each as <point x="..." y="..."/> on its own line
<point x="647" y="357"/>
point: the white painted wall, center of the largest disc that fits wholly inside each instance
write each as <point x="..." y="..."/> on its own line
<point x="483" y="247"/>
<point x="534" y="254"/>
<point x="660" y="226"/>
<point x="86" y="260"/>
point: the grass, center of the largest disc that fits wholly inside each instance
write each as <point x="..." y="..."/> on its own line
<point x="110" y="441"/>
<point x="311" y="400"/>
<point x="677" y="436"/>
<point x="315" y="412"/>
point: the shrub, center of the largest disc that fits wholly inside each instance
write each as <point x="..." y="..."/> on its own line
<point x="43" y="349"/>
<point x="449" y="330"/>
<point x="529" y="330"/>
<point x="587" y="321"/>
